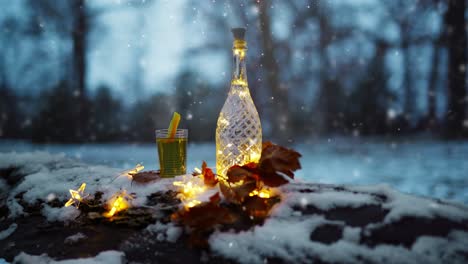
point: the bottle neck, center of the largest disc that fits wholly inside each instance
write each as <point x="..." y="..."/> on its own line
<point x="239" y="75"/>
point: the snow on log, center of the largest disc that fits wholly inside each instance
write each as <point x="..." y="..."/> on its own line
<point x="312" y="223"/>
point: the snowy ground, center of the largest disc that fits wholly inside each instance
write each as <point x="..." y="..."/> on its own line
<point x="424" y="167"/>
<point x="372" y="224"/>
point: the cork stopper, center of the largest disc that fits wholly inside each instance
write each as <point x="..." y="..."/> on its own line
<point x="238" y="33"/>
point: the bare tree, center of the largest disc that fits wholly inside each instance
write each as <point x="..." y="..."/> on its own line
<point x="431" y="121"/>
<point x="280" y="95"/>
<point x="404" y="15"/>
<point x="73" y="21"/>
<point x="454" y="20"/>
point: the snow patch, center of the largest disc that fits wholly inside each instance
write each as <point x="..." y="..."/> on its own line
<point x="324" y="198"/>
<point x="165" y="232"/>
<point x="105" y="257"/>
<point x="443" y="249"/>
<point x="404" y="205"/>
<point x="327" y="200"/>
<point x="75" y="238"/>
<point x="52" y="176"/>
<point x="63" y="214"/>
<point x="352" y="234"/>
<point x="7" y="232"/>
<point x="289" y="241"/>
<point x="284" y="239"/>
<point x="286" y="235"/>
<point x="15" y="208"/>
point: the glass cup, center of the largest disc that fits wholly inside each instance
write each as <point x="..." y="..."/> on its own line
<point x="172" y="152"/>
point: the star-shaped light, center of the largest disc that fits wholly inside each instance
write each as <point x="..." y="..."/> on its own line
<point x="130" y="173"/>
<point x="119" y="202"/>
<point x="134" y="171"/>
<point x="76" y="196"/>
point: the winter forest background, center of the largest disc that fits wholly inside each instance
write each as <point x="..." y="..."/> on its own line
<point x="369" y="91"/>
<point x="114" y="70"/>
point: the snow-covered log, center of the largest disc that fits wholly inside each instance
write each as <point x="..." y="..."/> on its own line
<point x="312" y="223"/>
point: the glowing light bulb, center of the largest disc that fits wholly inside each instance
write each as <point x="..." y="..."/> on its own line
<point x="190" y="189"/>
<point x="129" y="173"/>
<point x="262" y="193"/>
<point x="119" y="202"/>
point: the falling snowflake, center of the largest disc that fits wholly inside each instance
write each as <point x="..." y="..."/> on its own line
<point x="391" y="114"/>
<point x="465" y="123"/>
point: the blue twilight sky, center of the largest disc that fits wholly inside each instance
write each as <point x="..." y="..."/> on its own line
<point x="152" y="40"/>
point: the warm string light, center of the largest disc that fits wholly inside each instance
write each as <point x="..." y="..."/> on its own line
<point x="76" y="196"/>
<point x="239" y="52"/>
<point x="190" y="188"/>
<point x="255" y="155"/>
<point x="193" y="203"/>
<point x="223" y="121"/>
<point x="222" y="178"/>
<point x="129" y="173"/>
<point x="240" y="82"/>
<point x="119" y="202"/>
<point x="262" y="193"/>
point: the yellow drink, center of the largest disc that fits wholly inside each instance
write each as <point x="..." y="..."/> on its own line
<point x="172" y="156"/>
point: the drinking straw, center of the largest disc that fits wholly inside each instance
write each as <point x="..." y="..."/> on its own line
<point x="173" y="125"/>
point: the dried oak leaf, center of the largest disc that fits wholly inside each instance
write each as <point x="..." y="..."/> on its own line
<point x="237" y="193"/>
<point x="258" y="207"/>
<point x="202" y="219"/>
<point x="237" y="173"/>
<point x="215" y="198"/>
<point x="145" y="176"/>
<point x="277" y="162"/>
<point x="205" y="216"/>
<point x="241" y="181"/>
<point x="208" y="176"/>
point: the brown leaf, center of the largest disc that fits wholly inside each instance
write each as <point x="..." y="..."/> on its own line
<point x="202" y="219"/>
<point x="146" y="176"/>
<point x="277" y="162"/>
<point x="237" y="193"/>
<point x="238" y="173"/>
<point x="205" y="216"/>
<point x="228" y="194"/>
<point x="203" y="166"/>
<point x="208" y="176"/>
<point x="233" y="190"/>
<point x="215" y="198"/>
<point x="258" y="207"/>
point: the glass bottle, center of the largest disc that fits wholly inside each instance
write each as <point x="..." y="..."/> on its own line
<point x="238" y="131"/>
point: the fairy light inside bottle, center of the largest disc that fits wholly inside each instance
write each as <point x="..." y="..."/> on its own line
<point x="238" y="131"/>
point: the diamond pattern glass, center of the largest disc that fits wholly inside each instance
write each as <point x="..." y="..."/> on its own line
<point x="238" y="132"/>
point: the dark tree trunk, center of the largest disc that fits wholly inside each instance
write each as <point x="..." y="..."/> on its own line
<point x="330" y="91"/>
<point x="408" y="106"/>
<point x="280" y="119"/>
<point x="78" y="70"/>
<point x="457" y="61"/>
<point x="431" y="118"/>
